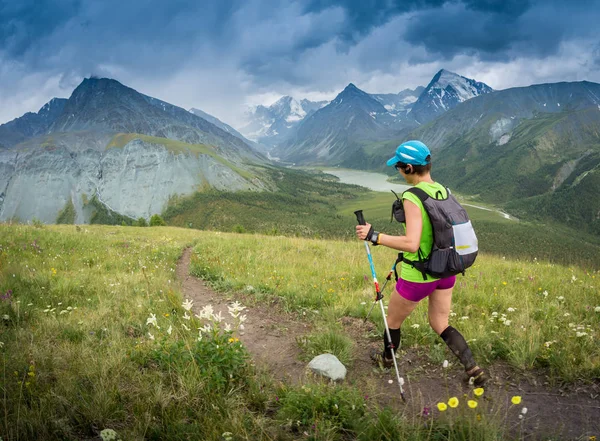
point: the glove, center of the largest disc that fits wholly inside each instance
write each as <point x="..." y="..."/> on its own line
<point x="373" y="236"/>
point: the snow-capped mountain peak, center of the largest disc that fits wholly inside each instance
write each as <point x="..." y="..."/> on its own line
<point x="445" y="91"/>
<point x="271" y="124"/>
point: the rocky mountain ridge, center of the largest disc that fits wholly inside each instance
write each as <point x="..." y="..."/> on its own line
<point x="129" y="151"/>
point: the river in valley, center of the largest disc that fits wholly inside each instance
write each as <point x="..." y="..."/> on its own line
<point x="370" y="180"/>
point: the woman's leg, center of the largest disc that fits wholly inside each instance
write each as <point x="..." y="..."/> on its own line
<point x="440" y="302"/>
<point x="398" y="309"/>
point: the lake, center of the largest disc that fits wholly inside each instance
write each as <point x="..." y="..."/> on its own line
<point x="370" y="180"/>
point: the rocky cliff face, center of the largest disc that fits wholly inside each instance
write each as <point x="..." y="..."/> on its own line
<point x="37" y="181"/>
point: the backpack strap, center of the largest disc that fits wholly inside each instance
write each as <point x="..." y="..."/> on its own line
<point x="418" y="192"/>
<point x="419" y="264"/>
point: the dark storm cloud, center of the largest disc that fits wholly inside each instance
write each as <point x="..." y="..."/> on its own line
<point x="226" y="50"/>
<point x="24" y="22"/>
<point x="364" y="15"/>
<point x="499" y="30"/>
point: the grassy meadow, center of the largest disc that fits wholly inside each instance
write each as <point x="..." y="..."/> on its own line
<point x="96" y="336"/>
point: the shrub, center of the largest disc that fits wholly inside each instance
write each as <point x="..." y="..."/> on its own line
<point x="157" y="221"/>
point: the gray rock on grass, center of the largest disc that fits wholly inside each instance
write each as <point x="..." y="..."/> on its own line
<point x="329" y="366"/>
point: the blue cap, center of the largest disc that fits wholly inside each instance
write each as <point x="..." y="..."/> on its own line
<point x="411" y="152"/>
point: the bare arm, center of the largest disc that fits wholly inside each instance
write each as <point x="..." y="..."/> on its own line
<point x="414" y="227"/>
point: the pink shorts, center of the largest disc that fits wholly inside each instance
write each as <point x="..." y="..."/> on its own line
<point x="416" y="292"/>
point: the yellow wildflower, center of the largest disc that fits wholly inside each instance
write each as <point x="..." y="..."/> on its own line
<point x="453" y="402"/>
<point x="233" y="340"/>
<point x="442" y="407"/>
<point x="478" y="392"/>
<point x="472" y="404"/>
<point x="478" y="417"/>
<point x="516" y="399"/>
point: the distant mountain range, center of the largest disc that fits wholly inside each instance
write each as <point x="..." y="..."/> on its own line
<point x="534" y="150"/>
<point x="337" y="132"/>
<point x="274" y="124"/>
<point x="126" y="152"/>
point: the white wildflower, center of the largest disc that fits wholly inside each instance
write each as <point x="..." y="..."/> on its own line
<point x="205" y="328"/>
<point x="390" y="381"/>
<point x="545" y="293"/>
<point x="581" y="334"/>
<point x="597" y="309"/>
<point x="445" y="364"/>
<point x="560" y="298"/>
<point x="511" y="309"/>
<point x="471" y="381"/>
<point x="524" y="411"/>
<point x="401" y="381"/>
<point x="170" y="330"/>
<point x="227" y="327"/>
<point x="186" y="316"/>
<point x="507" y="322"/>
<point x="1" y="344"/>
<point x="217" y="318"/>
<point x="206" y="312"/>
<point x="6" y="317"/>
<point x="573" y="278"/>
<point x="187" y="305"/>
<point x="465" y="317"/>
<point x="363" y="303"/>
<point x="416" y="326"/>
<point x="494" y="314"/>
<point x="150" y="336"/>
<point x="242" y="319"/>
<point x="236" y="307"/>
<point x="152" y="321"/>
<point x="185" y="327"/>
<point x="566" y="314"/>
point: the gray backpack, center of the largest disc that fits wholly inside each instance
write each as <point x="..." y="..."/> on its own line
<point x="454" y="241"/>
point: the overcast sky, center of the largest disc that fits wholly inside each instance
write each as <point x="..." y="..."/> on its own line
<point x="219" y="55"/>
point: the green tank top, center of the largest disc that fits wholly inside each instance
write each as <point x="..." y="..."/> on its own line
<point x="409" y="273"/>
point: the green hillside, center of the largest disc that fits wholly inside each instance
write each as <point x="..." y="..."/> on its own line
<point x="97" y="336"/>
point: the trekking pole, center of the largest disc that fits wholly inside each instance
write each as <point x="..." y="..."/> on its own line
<point x="379" y="297"/>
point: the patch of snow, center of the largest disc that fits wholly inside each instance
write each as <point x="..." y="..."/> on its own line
<point x="504" y="139"/>
<point x="558" y="104"/>
<point x="409" y="100"/>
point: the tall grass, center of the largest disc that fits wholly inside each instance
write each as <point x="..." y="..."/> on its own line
<point x="529" y="313"/>
<point x="95" y="334"/>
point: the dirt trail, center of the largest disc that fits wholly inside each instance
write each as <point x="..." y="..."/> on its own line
<point x="270" y="337"/>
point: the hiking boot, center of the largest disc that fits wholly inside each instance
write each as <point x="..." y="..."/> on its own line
<point x="477" y="377"/>
<point x="382" y="361"/>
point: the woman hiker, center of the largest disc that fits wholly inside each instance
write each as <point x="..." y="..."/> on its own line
<point x="413" y="161"/>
